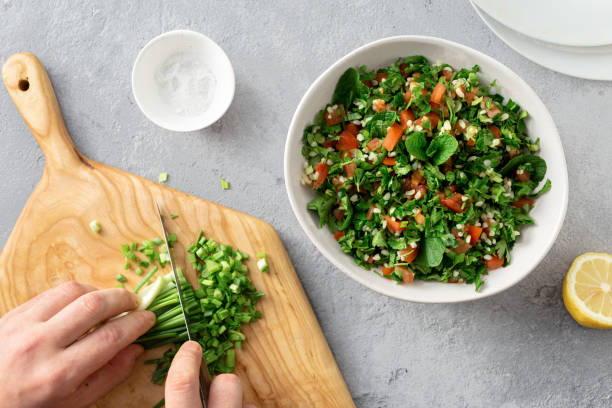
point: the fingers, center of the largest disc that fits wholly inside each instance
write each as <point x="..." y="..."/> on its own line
<point x="93" y="351"/>
<point x="225" y="392"/>
<point x="183" y="381"/>
<point x="48" y="303"/>
<point x="85" y="312"/>
<point x="106" y="378"/>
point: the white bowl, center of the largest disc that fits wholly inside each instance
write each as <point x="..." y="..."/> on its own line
<point x="549" y="211"/>
<point x="150" y="60"/>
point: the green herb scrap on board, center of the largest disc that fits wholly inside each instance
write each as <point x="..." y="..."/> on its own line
<point x="422" y="171"/>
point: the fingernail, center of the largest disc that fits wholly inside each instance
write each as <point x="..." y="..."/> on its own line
<point x="149" y="315"/>
<point x="192" y="347"/>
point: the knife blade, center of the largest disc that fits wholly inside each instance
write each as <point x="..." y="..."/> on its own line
<point x="204" y="374"/>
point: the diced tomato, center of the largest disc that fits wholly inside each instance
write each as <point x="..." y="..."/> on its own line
<point x="335" y="116"/>
<point x="405" y="116"/>
<point x="454" y="203"/>
<point x="339" y="214"/>
<point x="494" y="263"/>
<point x="387" y="271"/>
<point x="462" y="246"/>
<point x="437" y="95"/>
<point x="523" y="176"/>
<point x="393" y="225"/>
<point x="347" y="141"/>
<point x="471" y="142"/>
<point x="416" y="75"/>
<point x="448" y="74"/>
<point x="435" y="106"/>
<point x="495" y="130"/>
<point x="389" y="161"/>
<point x="367" y="83"/>
<point x="522" y="202"/>
<point x="474" y="233"/>
<point x="408" y="255"/>
<point x="338" y="234"/>
<point x="513" y="153"/>
<point x="470" y="96"/>
<point x="329" y="143"/>
<point x="394" y="133"/>
<point x="402" y="68"/>
<point x="374" y="144"/>
<point x="451" y="280"/>
<point x="370" y="211"/>
<point x="432" y="117"/>
<point x="370" y="259"/>
<point x="416" y="178"/>
<point x="322" y="169"/>
<point x="407" y="96"/>
<point x="350" y="168"/>
<point x="419" y="218"/>
<point x="380" y="76"/>
<point x="493" y="110"/>
<point x="407" y="274"/>
<point x="352" y="128"/>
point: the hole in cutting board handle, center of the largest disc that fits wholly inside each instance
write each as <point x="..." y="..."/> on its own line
<point x="24" y="84"/>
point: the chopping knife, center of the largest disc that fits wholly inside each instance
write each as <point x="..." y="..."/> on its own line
<point x="204" y="374"/>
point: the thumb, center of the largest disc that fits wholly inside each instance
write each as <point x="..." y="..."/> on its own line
<point x="182" y="383"/>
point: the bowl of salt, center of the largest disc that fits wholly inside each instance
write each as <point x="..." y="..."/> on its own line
<point x="183" y="81"/>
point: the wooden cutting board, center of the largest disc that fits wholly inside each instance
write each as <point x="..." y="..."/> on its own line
<point x="285" y="361"/>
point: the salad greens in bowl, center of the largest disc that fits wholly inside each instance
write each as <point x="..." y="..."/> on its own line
<point x="426" y="170"/>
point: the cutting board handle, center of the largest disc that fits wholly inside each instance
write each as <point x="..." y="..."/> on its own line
<point x="29" y="86"/>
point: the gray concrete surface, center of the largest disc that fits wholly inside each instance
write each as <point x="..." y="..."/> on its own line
<point x="516" y="349"/>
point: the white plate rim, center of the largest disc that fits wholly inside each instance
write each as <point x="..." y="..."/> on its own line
<point x="490" y="7"/>
<point x="515" y="41"/>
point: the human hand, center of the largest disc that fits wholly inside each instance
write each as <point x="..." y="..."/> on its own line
<point x="183" y="387"/>
<point x="49" y="356"/>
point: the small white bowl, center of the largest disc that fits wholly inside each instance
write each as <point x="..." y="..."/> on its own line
<point x="548" y="213"/>
<point x="145" y="85"/>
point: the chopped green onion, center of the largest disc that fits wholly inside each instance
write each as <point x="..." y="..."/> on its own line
<point x="95" y="226"/>
<point x="216" y="310"/>
<point x="138" y="271"/>
<point x="144" y="280"/>
<point x="127" y="265"/>
<point x="174" y="216"/>
<point x="163" y="177"/>
<point x="262" y="265"/>
<point x="121" y="278"/>
<point x="224" y="184"/>
<point x="260" y="255"/>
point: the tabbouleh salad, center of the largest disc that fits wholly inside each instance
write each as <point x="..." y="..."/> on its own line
<point x="422" y="172"/>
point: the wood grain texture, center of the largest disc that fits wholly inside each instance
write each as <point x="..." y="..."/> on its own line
<point x="285" y="361"/>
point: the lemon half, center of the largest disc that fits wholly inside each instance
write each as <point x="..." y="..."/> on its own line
<point x="587" y="290"/>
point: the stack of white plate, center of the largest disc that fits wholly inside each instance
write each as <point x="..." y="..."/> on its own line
<point x="573" y="37"/>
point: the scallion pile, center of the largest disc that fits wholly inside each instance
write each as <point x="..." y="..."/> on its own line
<point x="216" y="310"/>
